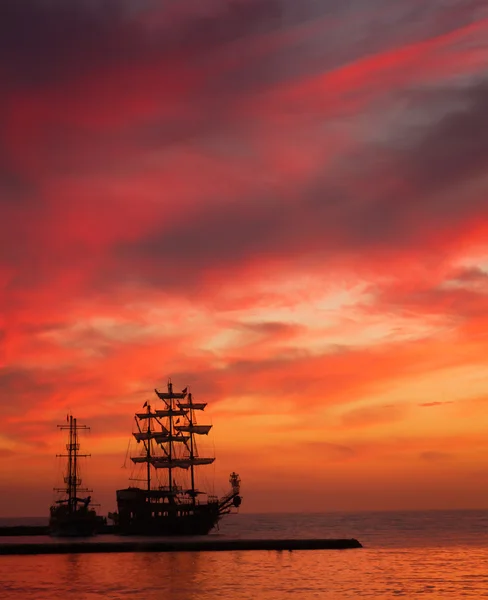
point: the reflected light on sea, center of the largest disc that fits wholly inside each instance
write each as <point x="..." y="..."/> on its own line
<point x="372" y="573"/>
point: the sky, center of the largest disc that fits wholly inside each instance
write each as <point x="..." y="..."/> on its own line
<point x="281" y="204"/>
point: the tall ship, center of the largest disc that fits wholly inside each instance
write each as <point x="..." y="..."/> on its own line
<point x="169" y="501"/>
<point x="72" y="515"/>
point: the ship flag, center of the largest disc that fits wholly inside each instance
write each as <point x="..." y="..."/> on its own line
<point x="145" y="404"/>
<point x="184" y="391"/>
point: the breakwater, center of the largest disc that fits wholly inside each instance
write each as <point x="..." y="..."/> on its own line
<point x="174" y="545"/>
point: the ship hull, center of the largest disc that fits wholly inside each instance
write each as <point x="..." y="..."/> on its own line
<point x="80" y="523"/>
<point x="72" y="527"/>
<point x="139" y="514"/>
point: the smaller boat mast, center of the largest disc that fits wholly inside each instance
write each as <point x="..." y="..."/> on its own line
<point x="72" y="479"/>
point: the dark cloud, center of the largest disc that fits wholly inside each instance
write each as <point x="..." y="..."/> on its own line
<point x="429" y="404"/>
<point x="327" y="451"/>
<point x="44" y="41"/>
<point x="461" y="296"/>
<point x="326" y="380"/>
<point x="35" y="386"/>
<point x="100" y="425"/>
<point x="273" y="328"/>
<point x="433" y="456"/>
<point x="210" y="236"/>
<point x="373" y="415"/>
<point x="21" y="381"/>
<point x="434" y="167"/>
<point x="6" y="453"/>
<point x="452" y="151"/>
<point x="15" y="188"/>
<point x="331" y="217"/>
<point x="50" y="40"/>
<point x="470" y="275"/>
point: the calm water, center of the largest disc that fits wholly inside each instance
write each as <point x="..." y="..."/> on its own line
<point x="432" y="554"/>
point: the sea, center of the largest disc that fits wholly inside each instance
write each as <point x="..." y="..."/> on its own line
<point x="434" y="554"/>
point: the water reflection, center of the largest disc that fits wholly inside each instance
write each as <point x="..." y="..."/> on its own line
<point x="442" y="554"/>
<point x="269" y="575"/>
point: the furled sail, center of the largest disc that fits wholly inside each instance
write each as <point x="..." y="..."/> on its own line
<point x="172" y="438"/>
<point x="166" y="463"/>
<point x="194" y="405"/>
<point x="151" y="435"/>
<point x="202" y="461"/>
<point x="171" y="394"/>
<point x="146" y="415"/>
<point x="182" y="463"/>
<point x="198" y="429"/>
<point x="176" y="412"/>
<point x="142" y="459"/>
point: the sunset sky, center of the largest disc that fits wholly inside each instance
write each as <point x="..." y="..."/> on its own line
<point x="282" y="204"/>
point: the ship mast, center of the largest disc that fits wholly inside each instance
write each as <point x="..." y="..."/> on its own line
<point x="175" y="437"/>
<point x="192" y="453"/>
<point x="148" y="448"/>
<point x="170" y="445"/>
<point x="75" y="462"/>
<point x="72" y="481"/>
